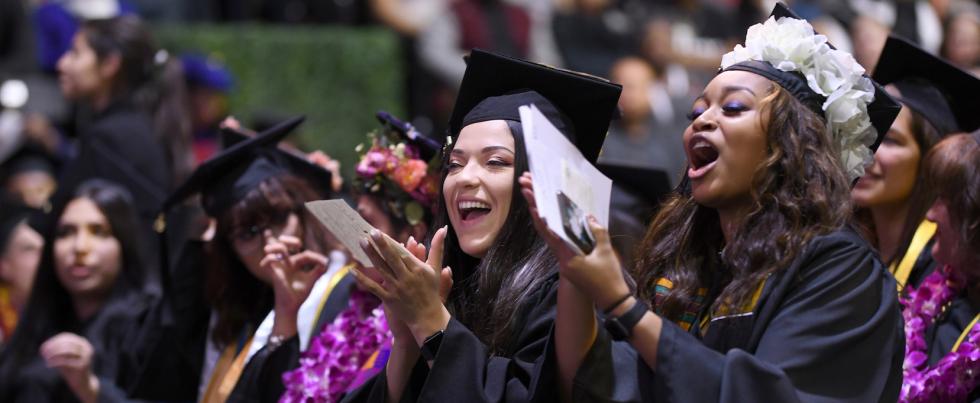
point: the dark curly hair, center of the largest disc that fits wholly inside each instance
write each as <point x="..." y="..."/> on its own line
<point x="798" y="192"/>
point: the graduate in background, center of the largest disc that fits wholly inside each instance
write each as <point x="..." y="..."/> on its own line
<point x="395" y="189"/>
<point x="89" y="288"/>
<point x="941" y="315"/>
<point x="489" y="340"/>
<point x="938" y="99"/>
<point x="757" y="288"/>
<point x="20" y="251"/>
<point x="210" y="336"/>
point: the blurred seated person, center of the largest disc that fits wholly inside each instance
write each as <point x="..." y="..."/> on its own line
<point x="20" y="250"/>
<point x="649" y="133"/>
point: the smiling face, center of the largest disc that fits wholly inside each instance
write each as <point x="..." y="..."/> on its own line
<point x="891" y="177"/>
<point x="88" y="257"/>
<point x="725" y="142"/>
<point x="480" y="184"/>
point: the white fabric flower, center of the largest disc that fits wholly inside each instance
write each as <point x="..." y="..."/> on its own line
<point x="789" y="44"/>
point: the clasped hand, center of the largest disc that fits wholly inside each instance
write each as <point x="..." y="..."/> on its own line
<point x="413" y="291"/>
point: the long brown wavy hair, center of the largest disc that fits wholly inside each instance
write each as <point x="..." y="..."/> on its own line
<point x="798" y="192"/>
<point x="239" y="298"/>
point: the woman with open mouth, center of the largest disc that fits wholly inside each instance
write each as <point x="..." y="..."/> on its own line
<point x="489" y="340"/>
<point x="750" y="285"/>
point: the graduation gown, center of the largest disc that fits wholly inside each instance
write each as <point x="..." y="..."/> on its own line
<point x="119" y="145"/>
<point x="826" y="328"/>
<point x="37" y="383"/>
<point x="463" y="370"/>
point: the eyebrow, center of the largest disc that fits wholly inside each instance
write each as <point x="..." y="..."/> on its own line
<point x="728" y="90"/>
<point x="485" y="150"/>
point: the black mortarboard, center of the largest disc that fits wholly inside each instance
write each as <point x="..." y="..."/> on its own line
<point x="29" y="158"/>
<point x="237" y="170"/>
<point x="427" y="147"/>
<point x="494" y="86"/>
<point x="297" y="164"/>
<point x="943" y="94"/>
<point x="882" y="111"/>
<point x="12" y="213"/>
<point x="650" y="184"/>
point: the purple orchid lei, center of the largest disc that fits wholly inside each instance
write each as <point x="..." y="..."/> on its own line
<point x="957" y="373"/>
<point x="334" y="358"/>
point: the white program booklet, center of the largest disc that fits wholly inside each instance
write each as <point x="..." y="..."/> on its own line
<point x="567" y="188"/>
<point x="345" y="224"/>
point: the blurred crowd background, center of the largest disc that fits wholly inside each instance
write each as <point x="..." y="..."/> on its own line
<point x="338" y="61"/>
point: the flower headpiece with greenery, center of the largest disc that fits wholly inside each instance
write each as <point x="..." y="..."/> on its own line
<point x="791" y="45"/>
<point x="392" y="169"/>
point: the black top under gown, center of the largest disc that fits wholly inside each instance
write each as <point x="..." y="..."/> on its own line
<point x="36" y="383"/>
<point x="464" y="371"/>
<point x="826" y="328"/>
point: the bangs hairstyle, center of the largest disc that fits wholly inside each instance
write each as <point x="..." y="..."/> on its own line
<point x="952" y="169"/>
<point x="798" y="192"/>
<point x="487" y="293"/>
<point x="238" y="296"/>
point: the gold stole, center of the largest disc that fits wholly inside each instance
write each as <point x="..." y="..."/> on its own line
<point x="903" y="269"/>
<point x="232" y="362"/>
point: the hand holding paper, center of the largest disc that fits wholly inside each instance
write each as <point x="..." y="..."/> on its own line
<point x="567" y="187"/>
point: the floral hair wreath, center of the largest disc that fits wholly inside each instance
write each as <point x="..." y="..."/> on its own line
<point x="393" y="170"/>
<point x="791" y="45"/>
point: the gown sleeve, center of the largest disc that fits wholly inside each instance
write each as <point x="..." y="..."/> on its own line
<point x="829" y="330"/>
<point x="164" y="350"/>
<point x="463" y="370"/>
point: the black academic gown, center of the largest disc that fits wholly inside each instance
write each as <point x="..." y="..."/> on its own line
<point x="261" y="380"/>
<point x="37" y="383"/>
<point x="119" y="145"/>
<point x="464" y="371"/>
<point x="826" y="328"/>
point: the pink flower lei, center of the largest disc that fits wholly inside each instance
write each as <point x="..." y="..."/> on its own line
<point x="334" y="358"/>
<point x="957" y="373"/>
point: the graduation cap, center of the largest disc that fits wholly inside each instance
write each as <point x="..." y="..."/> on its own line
<point x="12" y="213"/>
<point x="882" y="111"/>
<point x="427" y="147"/>
<point x="203" y="71"/>
<point x="29" y="158"/>
<point x="237" y="170"/>
<point x="294" y="162"/>
<point x="494" y="86"/>
<point x="943" y="94"/>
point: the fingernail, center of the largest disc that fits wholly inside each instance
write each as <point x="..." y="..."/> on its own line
<point x="376" y="234"/>
<point x="411" y="238"/>
<point x="364" y="243"/>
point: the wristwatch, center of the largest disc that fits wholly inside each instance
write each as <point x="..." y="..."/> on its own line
<point x="621" y="328"/>
<point x="431" y="345"/>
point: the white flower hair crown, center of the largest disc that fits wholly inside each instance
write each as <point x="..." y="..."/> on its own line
<point x="827" y="80"/>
